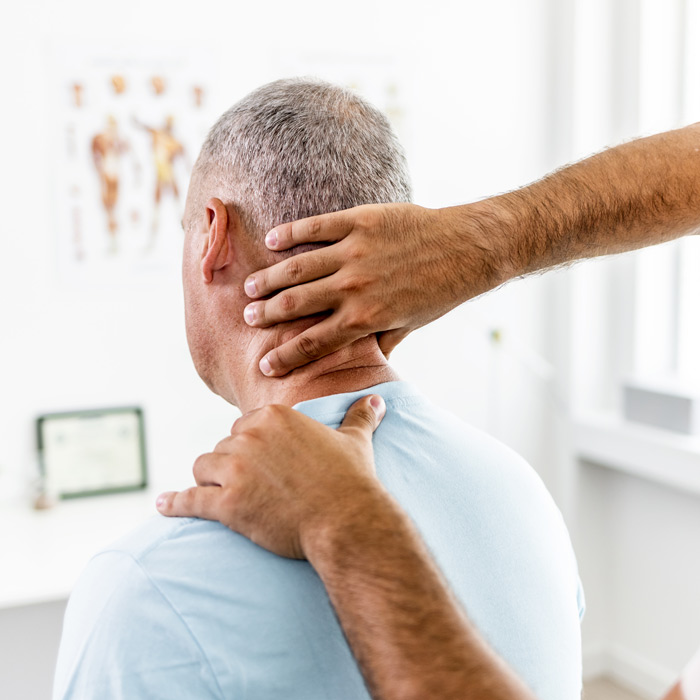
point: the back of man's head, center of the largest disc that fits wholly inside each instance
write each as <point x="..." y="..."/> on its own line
<point x="298" y="147"/>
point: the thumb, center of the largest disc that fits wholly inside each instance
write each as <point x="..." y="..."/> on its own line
<point x="364" y="415"/>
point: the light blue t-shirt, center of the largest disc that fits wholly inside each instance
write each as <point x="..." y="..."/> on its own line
<point x="187" y="609"/>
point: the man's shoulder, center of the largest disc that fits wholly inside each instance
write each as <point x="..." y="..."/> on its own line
<point x="147" y="537"/>
<point x="415" y="425"/>
<point x="117" y="613"/>
<point x="128" y="570"/>
<point x="183" y="559"/>
<point x="410" y="412"/>
<point x="210" y="592"/>
<point x="418" y="436"/>
<point x="161" y="545"/>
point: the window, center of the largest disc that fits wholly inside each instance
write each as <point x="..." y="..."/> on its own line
<point x="667" y="278"/>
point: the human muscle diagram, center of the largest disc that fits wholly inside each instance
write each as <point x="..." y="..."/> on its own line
<point x="126" y="125"/>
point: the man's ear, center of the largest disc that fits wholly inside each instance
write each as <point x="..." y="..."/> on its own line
<point x="217" y="251"/>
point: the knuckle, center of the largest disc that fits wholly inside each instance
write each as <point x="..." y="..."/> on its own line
<point x="199" y="465"/>
<point x="366" y="416"/>
<point x="187" y="499"/>
<point x="229" y="499"/>
<point x="271" y="414"/>
<point x="308" y="347"/>
<point x="248" y="439"/>
<point x="295" y="270"/>
<point x="351" y="284"/>
<point x="354" y="251"/>
<point x="313" y="229"/>
<point x="357" y="321"/>
<point x="287" y="303"/>
<point x="377" y="311"/>
<point x="269" y="411"/>
<point x="222" y="445"/>
<point x="366" y="219"/>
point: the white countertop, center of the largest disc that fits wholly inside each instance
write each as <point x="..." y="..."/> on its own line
<point x="43" y="552"/>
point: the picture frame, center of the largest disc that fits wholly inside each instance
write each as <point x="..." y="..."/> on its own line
<point x="92" y="452"/>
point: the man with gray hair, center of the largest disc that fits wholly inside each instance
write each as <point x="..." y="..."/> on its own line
<point x="185" y="608"/>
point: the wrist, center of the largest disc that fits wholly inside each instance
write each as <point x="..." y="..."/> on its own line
<point x="328" y="535"/>
<point x="484" y="237"/>
<point x="500" y="221"/>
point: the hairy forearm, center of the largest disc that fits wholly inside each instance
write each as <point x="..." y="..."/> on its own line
<point x="639" y="193"/>
<point x="408" y="633"/>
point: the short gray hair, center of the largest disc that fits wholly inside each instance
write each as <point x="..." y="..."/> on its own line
<point x="298" y="147"/>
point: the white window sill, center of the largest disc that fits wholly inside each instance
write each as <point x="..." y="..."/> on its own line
<point x="650" y="453"/>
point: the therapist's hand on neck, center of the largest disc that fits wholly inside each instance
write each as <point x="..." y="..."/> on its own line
<point x="393" y="268"/>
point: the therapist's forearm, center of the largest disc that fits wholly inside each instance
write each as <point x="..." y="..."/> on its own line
<point x="406" y="630"/>
<point x="639" y="193"/>
<point x="396" y="267"/>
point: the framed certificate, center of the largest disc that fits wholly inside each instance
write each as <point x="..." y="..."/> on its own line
<point x="86" y="453"/>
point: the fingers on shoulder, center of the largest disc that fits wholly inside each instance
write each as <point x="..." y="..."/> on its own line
<point x="195" y="502"/>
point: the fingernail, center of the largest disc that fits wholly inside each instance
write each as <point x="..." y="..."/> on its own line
<point x="265" y="366"/>
<point x="250" y="288"/>
<point x="271" y="239"/>
<point x="160" y="501"/>
<point x="377" y="403"/>
<point x="250" y="314"/>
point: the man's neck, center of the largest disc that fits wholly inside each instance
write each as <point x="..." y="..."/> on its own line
<point x="354" y="368"/>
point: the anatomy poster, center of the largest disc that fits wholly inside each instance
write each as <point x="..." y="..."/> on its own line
<point x="130" y="123"/>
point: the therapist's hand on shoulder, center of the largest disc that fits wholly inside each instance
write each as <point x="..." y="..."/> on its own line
<point x="281" y="478"/>
<point x="392" y="268"/>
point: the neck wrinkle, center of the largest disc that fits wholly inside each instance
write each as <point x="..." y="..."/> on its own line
<point x="357" y="367"/>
